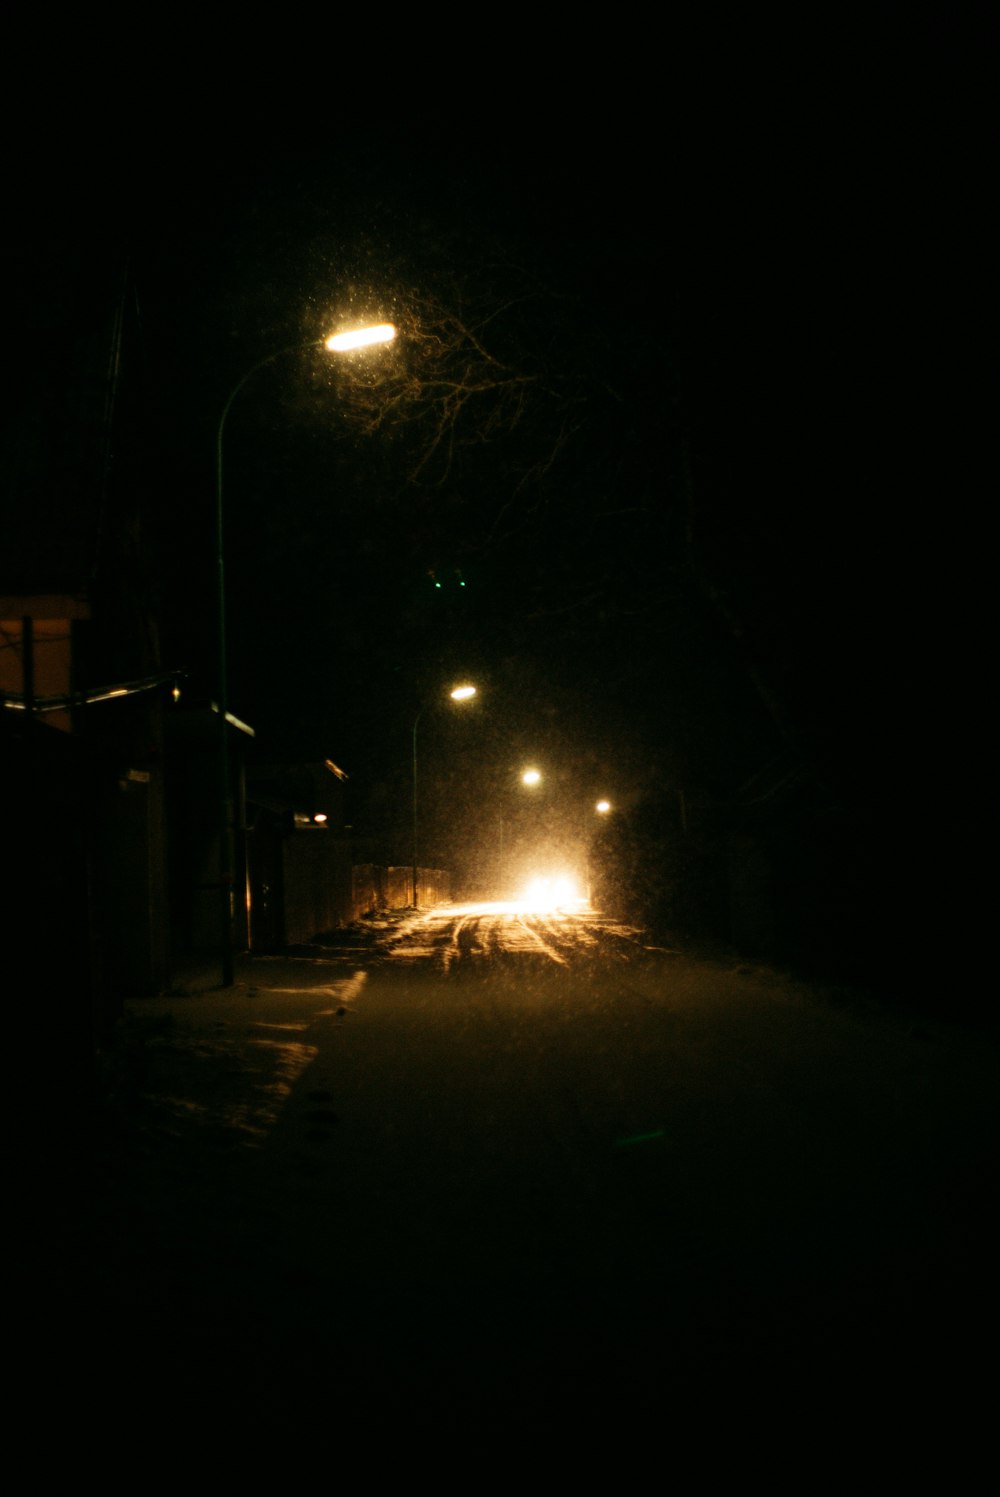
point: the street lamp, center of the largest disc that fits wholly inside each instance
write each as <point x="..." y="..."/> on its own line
<point x="530" y="778"/>
<point x="336" y="343"/>
<point x="362" y="337"/>
<point x="458" y="694"/>
<point x="603" y="808"/>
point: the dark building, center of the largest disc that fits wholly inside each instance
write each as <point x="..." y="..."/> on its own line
<point x="82" y="689"/>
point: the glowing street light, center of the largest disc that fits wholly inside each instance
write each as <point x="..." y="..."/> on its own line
<point x="338" y="343"/>
<point x="361" y="337"/>
<point x="457" y="694"/>
<point x="603" y="806"/>
<point x="529" y="777"/>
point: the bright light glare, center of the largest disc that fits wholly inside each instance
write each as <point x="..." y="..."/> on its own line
<point x="463" y="693"/>
<point x="603" y="806"/>
<point x="531" y="777"/>
<point x="361" y="337"/>
<point x="550" y="893"/>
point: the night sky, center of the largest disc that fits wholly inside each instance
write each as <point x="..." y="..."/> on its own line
<point x="714" y="486"/>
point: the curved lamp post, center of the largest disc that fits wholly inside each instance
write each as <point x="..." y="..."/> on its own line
<point x="459" y="694"/>
<point x="336" y="343"/>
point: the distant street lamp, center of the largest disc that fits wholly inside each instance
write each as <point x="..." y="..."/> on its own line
<point x="458" y="694"/>
<point x="336" y="343"/>
<point x="603" y="808"/>
<point x="531" y="778"/>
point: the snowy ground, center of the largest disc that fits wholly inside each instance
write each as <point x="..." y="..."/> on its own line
<point x="528" y="1151"/>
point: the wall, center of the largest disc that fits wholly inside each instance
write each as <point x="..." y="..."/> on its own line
<point x="318" y="886"/>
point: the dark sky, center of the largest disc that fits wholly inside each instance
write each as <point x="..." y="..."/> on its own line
<point x="738" y="516"/>
<point x="569" y="526"/>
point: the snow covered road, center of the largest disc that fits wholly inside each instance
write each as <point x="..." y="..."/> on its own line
<point x="470" y="933"/>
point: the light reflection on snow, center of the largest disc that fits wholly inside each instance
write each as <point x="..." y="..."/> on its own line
<point x="253" y="1078"/>
<point x="490" y="928"/>
<point x="341" y="995"/>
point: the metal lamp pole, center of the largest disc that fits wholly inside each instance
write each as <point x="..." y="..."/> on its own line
<point x="416" y="902"/>
<point x="459" y="694"/>
<point x="336" y="343"/>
